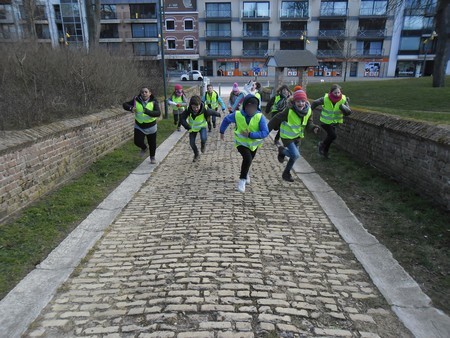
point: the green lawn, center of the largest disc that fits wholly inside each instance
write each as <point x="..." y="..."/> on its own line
<point x="26" y="240"/>
<point x="413" y="98"/>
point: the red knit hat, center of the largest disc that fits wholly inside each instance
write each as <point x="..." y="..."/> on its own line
<point x="298" y="88"/>
<point x="300" y="95"/>
<point x="178" y="87"/>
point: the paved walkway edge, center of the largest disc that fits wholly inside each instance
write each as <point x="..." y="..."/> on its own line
<point x="23" y="304"/>
<point x="403" y="294"/>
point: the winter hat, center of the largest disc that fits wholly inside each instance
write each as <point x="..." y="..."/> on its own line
<point x="235" y="87"/>
<point x="298" y="88"/>
<point x="178" y="87"/>
<point x="251" y="101"/>
<point x="300" y="95"/>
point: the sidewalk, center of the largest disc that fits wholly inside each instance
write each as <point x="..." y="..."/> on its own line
<point x="189" y="256"/>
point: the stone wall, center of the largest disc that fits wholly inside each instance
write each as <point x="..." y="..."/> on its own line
<point x="415" y="153"/>
<point x="34" y="161"/>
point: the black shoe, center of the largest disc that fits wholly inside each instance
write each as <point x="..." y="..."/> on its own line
<point x="202" y="148"/>
<point x="287" y="177"/>
<point x="214" y="126"/>
<point x="209" y="130"/>
<point x="196" y="157"/>
<point x="281" y="156"/>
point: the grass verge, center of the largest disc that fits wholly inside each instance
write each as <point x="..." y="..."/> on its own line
<point x="414" y="230"/>
<point x="28" y="238"/>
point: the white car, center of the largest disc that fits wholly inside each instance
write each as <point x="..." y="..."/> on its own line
<point x="194" y="75"/>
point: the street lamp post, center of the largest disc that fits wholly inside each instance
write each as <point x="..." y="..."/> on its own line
<point x="163" y="60"/>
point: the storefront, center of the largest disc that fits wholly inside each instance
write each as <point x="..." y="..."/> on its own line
<point x="240" y="67"/>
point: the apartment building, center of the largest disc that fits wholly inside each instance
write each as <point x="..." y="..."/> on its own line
<point x="358" y="38"/>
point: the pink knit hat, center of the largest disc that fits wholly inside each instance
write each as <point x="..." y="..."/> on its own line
<point x="178" y="87"/>
<point x="300" y="95"/>
<point x="235" y="87"/>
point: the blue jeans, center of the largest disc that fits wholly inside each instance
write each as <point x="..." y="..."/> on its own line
<point x="193" y="136"/>
<point x="293" y="153"/>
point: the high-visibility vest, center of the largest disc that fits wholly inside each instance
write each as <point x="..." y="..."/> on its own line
<point x="198" y="123"/>
<point x="140" y="116"/>
<point x="274" y="106"/>
<point x="241" y="125"/>
<point x="295" y="125"/>
<point x="178" y="99"/>
<point x="212" y="100"/>
<point x="331" y="113"/>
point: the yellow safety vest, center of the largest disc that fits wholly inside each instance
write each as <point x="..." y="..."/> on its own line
<point x="178" y="99"/>
<point x="198" y="123"/>
<point x="241" y="125"/>
<point x="331" y="113"/>
<point x="211" y="100"/>
<point x="274" y="106"/>
<point x="140" y="116"/>
<point x="295" y="125"/>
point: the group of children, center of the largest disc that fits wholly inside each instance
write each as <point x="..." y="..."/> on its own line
<point x="290" y="116"/>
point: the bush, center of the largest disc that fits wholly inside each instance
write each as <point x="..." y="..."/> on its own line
<point x="39" y="85"/>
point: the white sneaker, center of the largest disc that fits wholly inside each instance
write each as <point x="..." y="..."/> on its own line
<point x="247" y="179"/>
<point x="241" y="185"/>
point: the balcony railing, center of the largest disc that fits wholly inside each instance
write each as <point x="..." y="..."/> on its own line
<point x="371" y="33"/>
<point x="254" y="52"/>
<point x="330" y="53"/>
<point x="262" y="14"/>
<point x="294" y="14"/>
<point x="331" y="33"/>
<point x="372" y="12"/>
<point x="218" y="52"/>
<point x="292" y="34"/>
<point x="108" y="16"/>
<point x="333" y="11"/>
<point x="255" y="34"/>
<point x="218" y="33"/>
<point x="211" y="14"/>
<point x="370" y="52"/>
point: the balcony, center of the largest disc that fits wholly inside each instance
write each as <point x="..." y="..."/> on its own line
<point x="331" y="33"/>
<point x="218" y="34"/>
<point x="333" y="12"/>
<point x="371" y="33"/>
<point x="369" y="53"/>
<point x="254" y="52"/>
<point x="255" y="34"/>
<point x="330" y="53"/>
<point x="218" y="52"/>
<point x="292" y="34"/>
<point x="218" y="15"/>
<point x="297" y="14"/>
<point x="372" y="12"/>
<point x="256" y="15"/>
<point x="108" y="16"/>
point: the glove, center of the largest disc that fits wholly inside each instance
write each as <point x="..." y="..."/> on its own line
<point x="178" y="105"/>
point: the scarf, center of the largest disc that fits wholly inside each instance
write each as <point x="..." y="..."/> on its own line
<point x="333" y="98"/>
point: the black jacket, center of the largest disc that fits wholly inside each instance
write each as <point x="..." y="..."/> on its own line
<point x="156" y="112"/>
<point x="203" y="110"/>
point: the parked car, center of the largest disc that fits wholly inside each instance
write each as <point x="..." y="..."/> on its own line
<point x="193" y="75"/>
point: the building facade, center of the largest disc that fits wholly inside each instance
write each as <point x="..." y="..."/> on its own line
<point x="354" y="38"/>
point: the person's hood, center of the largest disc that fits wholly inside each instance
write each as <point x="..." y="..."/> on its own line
<point x="247" y="97"/>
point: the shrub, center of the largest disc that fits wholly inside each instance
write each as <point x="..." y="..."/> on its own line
<point x="39" y="85"/>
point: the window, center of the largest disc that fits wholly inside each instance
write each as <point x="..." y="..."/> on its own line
<point x="69" y="12"/>
<point x="257" y="29"/>
<point x="108" y="12"/>
<point x="188" y="25"/>
<point x="256" y="9"/>
<point x="146" y="49"/>
<point x="8" y="32"/>
<point x="170" y="25"/>
<point x="109" y="31"/>
<point x="5" y="12"/>
<point x="410" y="43"/>
<point x="218" y="48"/>
<point x="294" y="9"/>
<point x="218" y="10"/>
<point x="171" y="44"/>
<point x="143" y="11"/>
<point x="218" y="29"/>
<point x="146" y="30"/>
<point x="42" y="31"/>
<point x="369" y="47"/>
<point x="413" y="23"/>
<point x="189" y="44"/>
<point x="333" y="8"/>
<point x="373" y="7"/>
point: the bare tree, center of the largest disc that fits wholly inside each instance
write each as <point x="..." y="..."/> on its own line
<point x="442" y="22"/>
<point x="29" y="8"/>
<point x="93" y="13"/>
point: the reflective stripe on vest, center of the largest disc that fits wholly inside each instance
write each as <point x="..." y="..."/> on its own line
<point x="294" y="127"/>
<point x="212" y="100"/>
<point x="178" y="99"/>
<point x="241" y="125"/>
<point x="330" y="113"/>
<point x="274" y="106"/>
<point x="198" y="123"/>
<point x="140" y="116"/>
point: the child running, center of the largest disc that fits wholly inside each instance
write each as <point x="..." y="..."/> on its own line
<point x="212" y="100"/>
<point x="178" y="101"/>
<point x="292" y="123"/>
<point x="236" y="98"/>
<point x="196" y="114"/>
<point x="277" y="104"/>
<point x="250" y="130"/>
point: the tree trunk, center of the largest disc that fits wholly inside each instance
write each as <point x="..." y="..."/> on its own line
<point x="93" y="21"/>
<point x="442" y="46"/>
